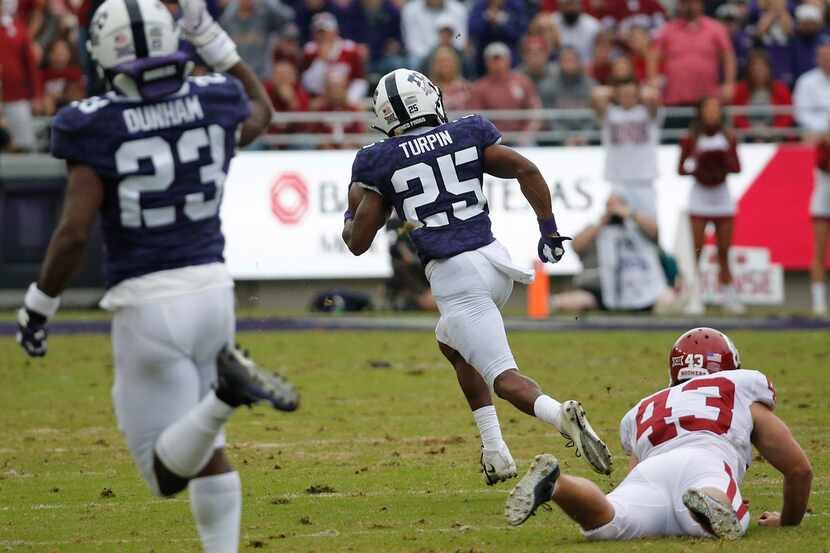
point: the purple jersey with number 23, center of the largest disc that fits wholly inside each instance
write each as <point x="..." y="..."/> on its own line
<point x="163" y="164"/>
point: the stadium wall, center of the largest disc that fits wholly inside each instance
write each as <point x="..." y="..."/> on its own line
<point x="283" y="210"/>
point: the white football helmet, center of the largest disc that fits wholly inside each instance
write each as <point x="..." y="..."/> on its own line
<point x="405" y="99"/>
<point x="135" y="44"/>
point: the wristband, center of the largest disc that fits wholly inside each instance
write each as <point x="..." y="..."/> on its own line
<point x="348" y="215"/>
<point x="548" y="226"/>
<point x="38" y="301"/>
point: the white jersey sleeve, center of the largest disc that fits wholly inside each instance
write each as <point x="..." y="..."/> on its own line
<point x="628" y="431"/>
<point x="754" y="386"/>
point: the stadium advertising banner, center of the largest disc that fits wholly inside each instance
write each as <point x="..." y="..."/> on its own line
<point x="282" y="215"/>
<point x="287" y="205"/>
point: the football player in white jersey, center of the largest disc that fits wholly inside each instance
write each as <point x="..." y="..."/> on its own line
<point x="689" y="445"/>
<point x="631" y="117"/>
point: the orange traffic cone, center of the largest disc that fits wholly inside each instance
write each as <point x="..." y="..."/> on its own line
<point x="538" y="293"/>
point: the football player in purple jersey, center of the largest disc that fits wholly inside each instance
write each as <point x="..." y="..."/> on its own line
<point x="150" y="158"/>
<point x="430" y="172"/>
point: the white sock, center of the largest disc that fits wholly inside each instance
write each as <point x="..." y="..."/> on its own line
<point x="549" y="410"/>
<point x="819" y="292"/>
<point x="186" y="446"/>
<point x="216" y="503"/>
<point x="488" y="427"/>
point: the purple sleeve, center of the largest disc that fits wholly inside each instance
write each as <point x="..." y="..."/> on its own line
<point x="487" y="132"/>
<point x="364" y="171"/>
<point x="71" y="138"/>
<point x="224" y="99"/>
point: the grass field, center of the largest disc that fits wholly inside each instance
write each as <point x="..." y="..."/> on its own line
<point x="384" y="431"/>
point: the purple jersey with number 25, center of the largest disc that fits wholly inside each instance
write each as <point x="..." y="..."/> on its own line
<point x="163" y="164"/>
<point x="434" y="180"/>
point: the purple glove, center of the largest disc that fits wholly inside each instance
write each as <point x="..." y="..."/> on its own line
<point x="550" y="247"/>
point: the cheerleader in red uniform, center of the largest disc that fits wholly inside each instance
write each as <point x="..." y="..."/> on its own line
<point x="708" y="154"/>
<point x="820" y="214"/>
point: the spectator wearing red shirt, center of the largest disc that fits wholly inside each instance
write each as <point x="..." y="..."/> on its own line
<point x="286" y="94"/>
<point x="335" y="98"/>
<point x="693" y="51"/>
<point x="502" y="88"/>
<point x="19" y="78"/>
<point x="62" y="79"/>
<point x="759" y="89"/>
<point x="329" y="54"/>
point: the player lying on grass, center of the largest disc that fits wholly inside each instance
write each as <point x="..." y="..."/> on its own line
<point x="690" y="446"/>
<point x="150" y="157"/>
<point x="430" y="171"/>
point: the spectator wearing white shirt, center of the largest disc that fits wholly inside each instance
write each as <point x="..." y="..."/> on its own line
<point x="812" y="96"/>
<point x="577" y="30"/>
<point x="420" y="25"/>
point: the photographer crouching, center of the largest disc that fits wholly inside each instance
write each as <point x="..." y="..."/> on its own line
<point x="623" y="268"/>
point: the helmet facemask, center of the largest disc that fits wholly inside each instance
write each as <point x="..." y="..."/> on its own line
<point x="150" y="78"/>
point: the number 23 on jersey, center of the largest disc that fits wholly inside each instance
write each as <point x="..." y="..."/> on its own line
<point x="160" y="153"/>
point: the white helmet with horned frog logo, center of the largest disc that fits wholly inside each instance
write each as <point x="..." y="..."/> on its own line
<point x="405" y="99"/>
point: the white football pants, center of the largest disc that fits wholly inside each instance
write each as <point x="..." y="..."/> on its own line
<point x="470" y="290"/>
<point x="649" y="502"/>
<point x="165" y="362"/>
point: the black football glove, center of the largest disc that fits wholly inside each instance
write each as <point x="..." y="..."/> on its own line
<point x="550" y="248"/>
<point x="32" y="332"/>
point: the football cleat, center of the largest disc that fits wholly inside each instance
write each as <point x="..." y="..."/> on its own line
<point x="577" y="429"/>
<point x="715" y="516"/>
<point x="242" y="382"/>
<point x="497" y="465"/>
<point x="534" y="489"/>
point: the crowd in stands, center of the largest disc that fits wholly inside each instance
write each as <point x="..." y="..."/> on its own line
<point x="326" y="55"/>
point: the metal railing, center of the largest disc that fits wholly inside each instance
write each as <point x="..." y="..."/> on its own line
<point x="573" y="124"/>
<point x="557" y="126"/>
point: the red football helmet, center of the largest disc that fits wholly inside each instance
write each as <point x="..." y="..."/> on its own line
<point x="702" y="351"/>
